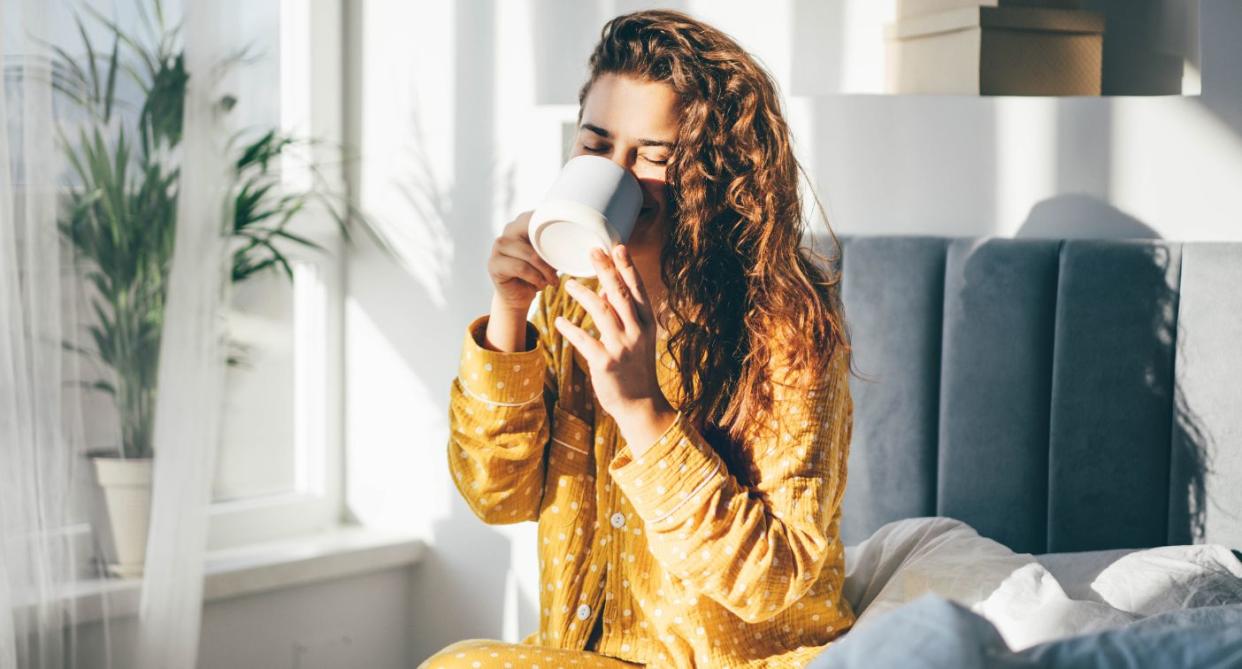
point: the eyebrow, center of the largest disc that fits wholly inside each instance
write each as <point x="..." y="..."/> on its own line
<point x="642" y="142"/>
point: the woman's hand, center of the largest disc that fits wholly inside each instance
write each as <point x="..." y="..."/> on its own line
<point x="516" y="269"/>
<point x="623" y="360"/>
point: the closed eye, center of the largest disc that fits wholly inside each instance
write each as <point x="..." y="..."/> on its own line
<point x="599" y="149"/>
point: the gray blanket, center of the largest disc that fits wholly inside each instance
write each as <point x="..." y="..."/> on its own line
<point x="935" y="632"/>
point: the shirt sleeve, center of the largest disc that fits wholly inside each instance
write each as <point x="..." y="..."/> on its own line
<point x="499" y="419"/>
<point x="754" y="549"/>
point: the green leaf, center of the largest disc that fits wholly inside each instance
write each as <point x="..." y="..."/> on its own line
<point x="295" y="238"/>
<point x="112" y="67"/>
<point x="254" y="152"/>
<point x="120" y="33"/>
<point x="90" y="59"/>
<point x="101" y="386"/>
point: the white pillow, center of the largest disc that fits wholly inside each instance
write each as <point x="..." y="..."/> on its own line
<point x="907" y="558"/>
<point x="1077" y="570"/>
<point x="1170" y="578"/>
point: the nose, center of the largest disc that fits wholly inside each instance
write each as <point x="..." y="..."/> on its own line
<point x="625" y="158"/>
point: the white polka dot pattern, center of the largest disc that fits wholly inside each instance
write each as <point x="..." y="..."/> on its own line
<point x="680" y="563"/>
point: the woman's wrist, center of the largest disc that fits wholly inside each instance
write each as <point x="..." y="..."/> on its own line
<point x="642" y="423"/>
<point x="506" y="328"/>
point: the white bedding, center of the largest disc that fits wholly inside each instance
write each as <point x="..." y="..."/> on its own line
<point x="1032" y="599"/>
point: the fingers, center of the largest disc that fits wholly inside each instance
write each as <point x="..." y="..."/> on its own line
<point x="625" y="268"/>
<point x="503" y="265"/>
<point x="606" y="321"/>
<point x="522" y="250"/>
<point x="617" y="291"/>
<point x="589" y="346"/>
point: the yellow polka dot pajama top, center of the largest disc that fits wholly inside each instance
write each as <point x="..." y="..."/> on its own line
<point x="700" y="553"/>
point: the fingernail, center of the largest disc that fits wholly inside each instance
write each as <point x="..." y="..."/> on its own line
<point x="597" y="253"/>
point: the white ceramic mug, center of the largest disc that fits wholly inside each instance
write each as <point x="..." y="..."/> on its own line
<point x="593" y="203"/>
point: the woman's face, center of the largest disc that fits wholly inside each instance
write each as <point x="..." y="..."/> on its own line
<point x="634" y="124"/>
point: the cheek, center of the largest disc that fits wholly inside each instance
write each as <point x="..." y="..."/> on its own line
<point x="664" y="195"/>
<point x="655" y="192"/>
<point x="655" y="184"/>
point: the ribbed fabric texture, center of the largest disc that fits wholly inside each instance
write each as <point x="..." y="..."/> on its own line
<point x="691" y="561"/>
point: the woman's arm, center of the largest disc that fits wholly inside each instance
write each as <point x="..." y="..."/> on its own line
<point x="499" y="417"/>
<point x="507" y="330"/>
<point x="756" y="550"/>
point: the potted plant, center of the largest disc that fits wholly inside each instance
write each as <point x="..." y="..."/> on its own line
<point x="120" y="218"/>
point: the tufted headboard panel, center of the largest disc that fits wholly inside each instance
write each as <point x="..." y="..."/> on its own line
<point x="1058" y="395"/>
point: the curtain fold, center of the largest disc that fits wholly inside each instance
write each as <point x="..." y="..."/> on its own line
<point x="191" y="375"/>
<point x="38" y="435"/>
<point x="52" y="526"/>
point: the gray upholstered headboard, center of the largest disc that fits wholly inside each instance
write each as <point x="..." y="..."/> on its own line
<point x="1058" y="395"/>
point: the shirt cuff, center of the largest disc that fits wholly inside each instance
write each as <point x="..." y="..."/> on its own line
<point x="501" y="377"/>
<point x="679" y="467"/>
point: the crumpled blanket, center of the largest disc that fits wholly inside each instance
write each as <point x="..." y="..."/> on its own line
<point x="980" y="604"/>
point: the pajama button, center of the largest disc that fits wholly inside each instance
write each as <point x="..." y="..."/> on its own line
<point x="618" y="519"/>
<point x="584" y="612"/>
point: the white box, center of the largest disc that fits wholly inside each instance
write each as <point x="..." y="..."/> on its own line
<point x="909" y="8"/>
<point x="996" y="51"/>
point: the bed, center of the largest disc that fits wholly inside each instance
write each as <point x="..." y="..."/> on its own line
<point x="1066" y="402"/>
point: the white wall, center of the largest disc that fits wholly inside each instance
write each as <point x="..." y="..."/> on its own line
<point x="456" y="107"/>
<point x="357" y="621"/>
<point x="1110" y="166"/>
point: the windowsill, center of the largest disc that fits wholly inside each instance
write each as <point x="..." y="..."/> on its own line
<point x="261" y="567"/>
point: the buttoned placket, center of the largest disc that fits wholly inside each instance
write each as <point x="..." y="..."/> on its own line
<point x="597" y="595"/>
<point x="582" y="611"/>
<point x="617" y="526"/>
<point x="590" y="607"/>
<point x="610" y="532"/>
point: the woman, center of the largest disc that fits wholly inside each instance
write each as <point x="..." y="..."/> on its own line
<point x="679" y="424"/>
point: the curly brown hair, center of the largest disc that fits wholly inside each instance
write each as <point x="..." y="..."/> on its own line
<point x="747" y="295"/>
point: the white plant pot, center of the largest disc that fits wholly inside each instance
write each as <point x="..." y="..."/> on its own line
<point x="126" y="484"/>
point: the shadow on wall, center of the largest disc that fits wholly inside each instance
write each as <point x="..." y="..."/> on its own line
<point x="421" y="307"/>
<point x="1188" y="462"/>
<point x="883" y="160"/>
<point x="1220" y="23"/>
<point x="1081" y="216"/>
<point x="1105" y="429"/>
<point x="1191" y="464"/>
<point x="1155" y="292"/>
<point x="915" y="163"/>
<point x="565" y="32"/>
<point x="457" y="591"/>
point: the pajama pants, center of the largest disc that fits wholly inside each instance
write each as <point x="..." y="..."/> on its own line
<point x="488" y="654"/>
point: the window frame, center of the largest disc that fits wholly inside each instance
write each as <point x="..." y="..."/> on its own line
<point x="310" y="105"/>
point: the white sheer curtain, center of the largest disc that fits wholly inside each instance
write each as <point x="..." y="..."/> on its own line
<point x="46" y="422"/>
<point x="191" y="376"/>
<point x="39" y="438"/>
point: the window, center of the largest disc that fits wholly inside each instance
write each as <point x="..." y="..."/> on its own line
<point x="278" y="470"/>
